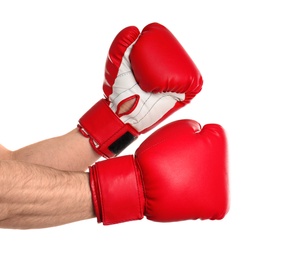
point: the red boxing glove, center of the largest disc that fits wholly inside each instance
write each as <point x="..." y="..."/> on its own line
<point x="153" y="73"/>
<point x="179" y="173"/>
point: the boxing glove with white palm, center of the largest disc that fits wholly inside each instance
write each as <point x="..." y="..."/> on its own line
<point x="148" y="76"/>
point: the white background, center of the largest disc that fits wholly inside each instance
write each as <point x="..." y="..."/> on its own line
<point x="52" y="56"/>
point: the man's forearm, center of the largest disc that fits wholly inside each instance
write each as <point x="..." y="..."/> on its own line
<point x="34" y="196"/>
<point x="70" y="152"/>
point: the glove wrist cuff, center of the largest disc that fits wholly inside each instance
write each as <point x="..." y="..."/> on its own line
<point x="117" y="191"/>
<point x="108" y="135"/>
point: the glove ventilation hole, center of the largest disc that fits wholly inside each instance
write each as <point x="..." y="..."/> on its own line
<point x="127" y="105"/>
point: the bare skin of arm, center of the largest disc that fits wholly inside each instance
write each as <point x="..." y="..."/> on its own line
<point x="35" y="196"/>
<point x="70" y="152"/>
